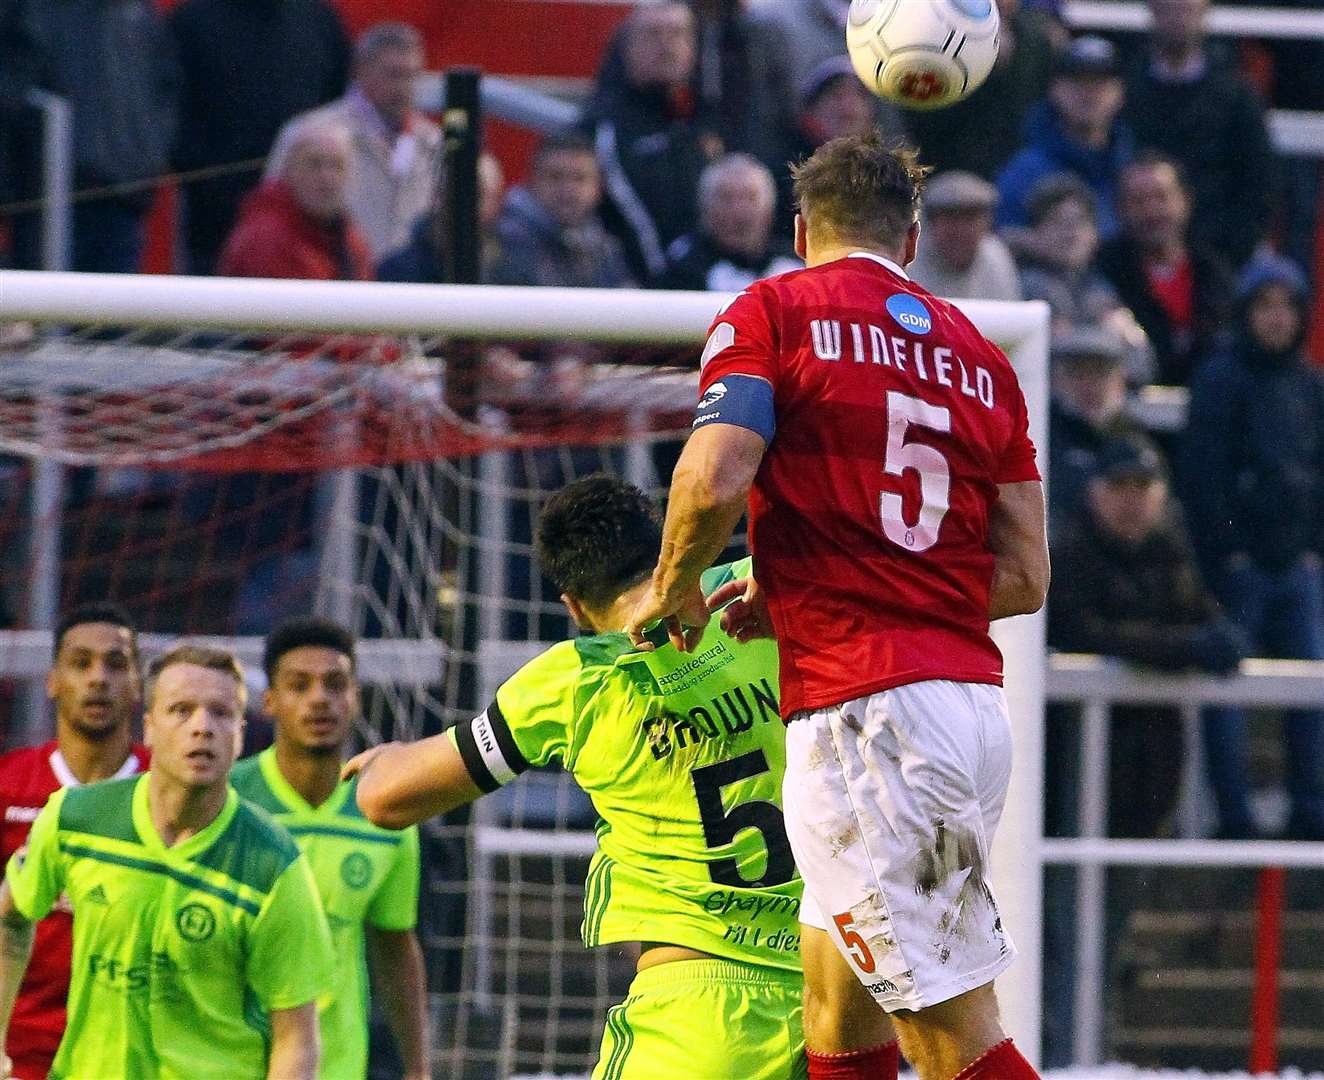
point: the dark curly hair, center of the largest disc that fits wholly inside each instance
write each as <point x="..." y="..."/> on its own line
<point x="597" y="537"/>
<point x="860" y="188"/>
<point x="302" y="631"/>
<point x="102" y="611"/>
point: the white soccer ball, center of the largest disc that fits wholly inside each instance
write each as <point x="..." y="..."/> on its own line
<point x="922" y="54"/>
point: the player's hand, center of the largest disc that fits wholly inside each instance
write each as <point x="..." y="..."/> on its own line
<point x="359" y="762"/>
<point x="684" y="617"/>
<point x="745" y="614"/>
<point x="6" y="1067"/>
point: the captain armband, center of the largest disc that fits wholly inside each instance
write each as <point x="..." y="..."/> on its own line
<point x="488" y="749"/>
<point x="742" y="400"/>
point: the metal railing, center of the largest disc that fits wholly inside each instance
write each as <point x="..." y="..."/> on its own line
<point x="1097" y="684"/>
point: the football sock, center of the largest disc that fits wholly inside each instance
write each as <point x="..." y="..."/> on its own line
<point x="880" y="1063"/>
<point x="1002" y="1062"/>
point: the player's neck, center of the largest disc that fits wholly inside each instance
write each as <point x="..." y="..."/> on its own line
<point x="831" y="251"/>
<point x="313" y="776"/>
<point x="91" y="760"/>
<point x="180" y="812"/>
<point x="617" y="615"/>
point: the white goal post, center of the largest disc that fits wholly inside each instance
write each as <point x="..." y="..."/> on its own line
<point x="604" y="316"/>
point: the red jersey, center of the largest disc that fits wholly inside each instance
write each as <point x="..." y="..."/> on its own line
<point x="28" y="777"/>
<point x="896" y="420"/>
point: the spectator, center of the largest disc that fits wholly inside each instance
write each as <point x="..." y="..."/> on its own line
<point x="248" y="67"/>
<point x="1179" y="292"/>
<point x="422" y="259"/>
<point x="1254" y="491"/>
<point x="397" y="150"/>
<point x="1134" y="592"/>
<point x="296" y="225"/>
<point x="816" y="28"/>
<point x="114" y="61"/>
<point x="1207" y="117"/>
<point x="981" y="133"/>
<point x="1077" y="131"/>
<point x="833" y="103"/>
<point x="1057" y="265"/>
<point x="651" y="139"/>
<point x="743" y="78"/>
<point x="548" y="232"/>
<point x="1088" y="411"/>
<point x="958" y="254"/>
<point x="734" y="245"/>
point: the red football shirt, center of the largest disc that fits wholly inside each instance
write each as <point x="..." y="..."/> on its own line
<point x="28" y="777"/>
<point x="896" y="422"/>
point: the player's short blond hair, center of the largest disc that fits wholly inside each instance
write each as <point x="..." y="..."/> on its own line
<point x="861" y="189"/>
<point x="203" y="656"/>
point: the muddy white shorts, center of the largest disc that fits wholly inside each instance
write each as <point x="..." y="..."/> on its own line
<point x="891" y="802"/>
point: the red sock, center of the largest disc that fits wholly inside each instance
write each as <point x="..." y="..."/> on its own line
<point x="1002" y="1062"/>
<point x="880" y="1063"/>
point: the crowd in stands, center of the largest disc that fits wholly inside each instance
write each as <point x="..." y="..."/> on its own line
<point x="1131" y="184"/>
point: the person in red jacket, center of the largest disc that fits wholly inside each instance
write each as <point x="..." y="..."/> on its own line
<point x="296" y="224"/>
<point x="95" y="685"/>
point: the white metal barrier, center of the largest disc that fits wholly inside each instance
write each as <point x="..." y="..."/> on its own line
<point x="1097" y="684"/>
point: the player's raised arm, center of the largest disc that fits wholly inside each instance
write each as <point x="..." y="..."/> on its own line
<point x="1019" y="542"/>
<point x="401" y="784"/>
<point x="16" y="932"/>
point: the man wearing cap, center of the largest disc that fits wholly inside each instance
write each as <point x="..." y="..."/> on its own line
<point x="1135" y="593"/>
<point x="1075" y="130"/>
<point x="958" y="254"/>
<point x="1087" y="412"/>
<point x="1254" y="494"/>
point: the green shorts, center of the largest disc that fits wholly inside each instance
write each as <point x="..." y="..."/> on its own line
<point x="706" y="1020"/>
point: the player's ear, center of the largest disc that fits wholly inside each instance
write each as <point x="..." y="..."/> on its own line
<point x="576" y="610"/>
<point x="801" y="239"/>
<point x="52" y="691"/>
<point x="912" y="243"/>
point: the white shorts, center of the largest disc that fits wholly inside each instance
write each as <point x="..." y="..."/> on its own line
<point x="891" y="802"/>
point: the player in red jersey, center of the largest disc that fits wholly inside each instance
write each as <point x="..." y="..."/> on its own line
<point x="895" y="508"/>
<point x="95" y="686"/>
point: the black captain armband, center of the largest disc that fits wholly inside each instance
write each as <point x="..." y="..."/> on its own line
<point x="743" y="400"/>
<point x="488" y="750"/>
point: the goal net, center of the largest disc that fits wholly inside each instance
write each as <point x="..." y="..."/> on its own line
<point x="218" y="455"/>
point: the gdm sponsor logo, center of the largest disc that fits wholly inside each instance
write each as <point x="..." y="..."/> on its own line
<point x="910" y="313"/>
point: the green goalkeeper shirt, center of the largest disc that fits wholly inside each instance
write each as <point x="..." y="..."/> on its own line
<point x="683" y="756"/>
<point x="180" y="953"/>
<point x="365" y="875"/>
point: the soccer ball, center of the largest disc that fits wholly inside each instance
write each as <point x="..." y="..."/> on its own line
<point x="923" y="54"/>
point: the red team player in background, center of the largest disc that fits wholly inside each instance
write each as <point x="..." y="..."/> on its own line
<point x="895" y="510"/>
<point x="95" y="686"/>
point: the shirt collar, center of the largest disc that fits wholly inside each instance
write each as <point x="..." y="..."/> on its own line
<point x="66" y="776"/>
<point x="882" y="261"/>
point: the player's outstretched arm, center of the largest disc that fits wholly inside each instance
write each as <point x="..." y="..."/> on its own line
<point x="1018" y="538"/>
<point x="401" y="784"/>
<point x="709" y="490"/>
<point x="399" y="985"/>
<point x="15" y="951"/>
<point x="295" y="1043"/>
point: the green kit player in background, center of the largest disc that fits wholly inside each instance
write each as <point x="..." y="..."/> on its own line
<point x="200" y="947"/>
<point x="683" y="758"/>
<point x="367" y="877"/>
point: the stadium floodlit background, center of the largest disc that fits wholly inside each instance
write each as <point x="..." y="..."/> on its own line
<point x="217" y="459"/>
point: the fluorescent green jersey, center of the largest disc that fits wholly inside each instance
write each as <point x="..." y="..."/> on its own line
<point x="365" y="875"/>
<point x="180" y="953"/>
<point x="682" y="755"/>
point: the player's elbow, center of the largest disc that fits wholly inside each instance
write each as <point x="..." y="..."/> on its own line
<point x="1032" y="584"/>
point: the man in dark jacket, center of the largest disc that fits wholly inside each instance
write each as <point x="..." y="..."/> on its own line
<point x="1183" y="101"/>
<point x="1134" y="592"/>
<point x="1254" y="494"/>
<point x="734" y="245"/>
<point x="548" y="232"/>
<point x="1077" y="131"/>
<point x="652" y="139"/>
<point x="113" y="60"/>
<point x="1180" y="293"/>
<point x="1088" y="411"/>
<point x="249" y="66"/>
